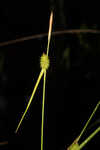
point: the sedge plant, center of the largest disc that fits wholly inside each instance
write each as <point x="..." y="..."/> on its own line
<point x="75" y="145"/>
<point x="44" y="64"/>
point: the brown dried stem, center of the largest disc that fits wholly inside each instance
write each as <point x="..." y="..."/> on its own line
<point x="37" y="36"/>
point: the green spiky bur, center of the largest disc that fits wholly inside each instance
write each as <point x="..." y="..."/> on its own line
<point x="75" y="145"/>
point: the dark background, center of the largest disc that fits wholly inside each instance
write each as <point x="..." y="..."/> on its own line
<point x="73" y="79"/>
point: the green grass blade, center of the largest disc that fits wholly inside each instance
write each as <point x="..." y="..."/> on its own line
<point x="89" y="138"/>
<point x="95" y="109"/>
<point x="33" y="93"/>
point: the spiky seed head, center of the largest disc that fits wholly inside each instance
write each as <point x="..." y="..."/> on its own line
<point x="44" y="62"/>
<point x="74" y="147"/>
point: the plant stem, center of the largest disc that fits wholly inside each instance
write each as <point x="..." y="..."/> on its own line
<point x="89" y="138"/>
<point x="43" y="103"/>
<point x="95" y="109"/>
<point x="49" y="32"/>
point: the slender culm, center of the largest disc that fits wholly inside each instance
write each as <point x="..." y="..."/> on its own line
<point x="89" y="138"/>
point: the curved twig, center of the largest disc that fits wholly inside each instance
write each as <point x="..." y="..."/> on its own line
<point x="38" y="36"/>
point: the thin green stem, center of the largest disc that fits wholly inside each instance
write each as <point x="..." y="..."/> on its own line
<point x="43" y="104"/>
<point x="89" y="120"/>
<point x="33" y="93"/>
<point x="89" y="138"/>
